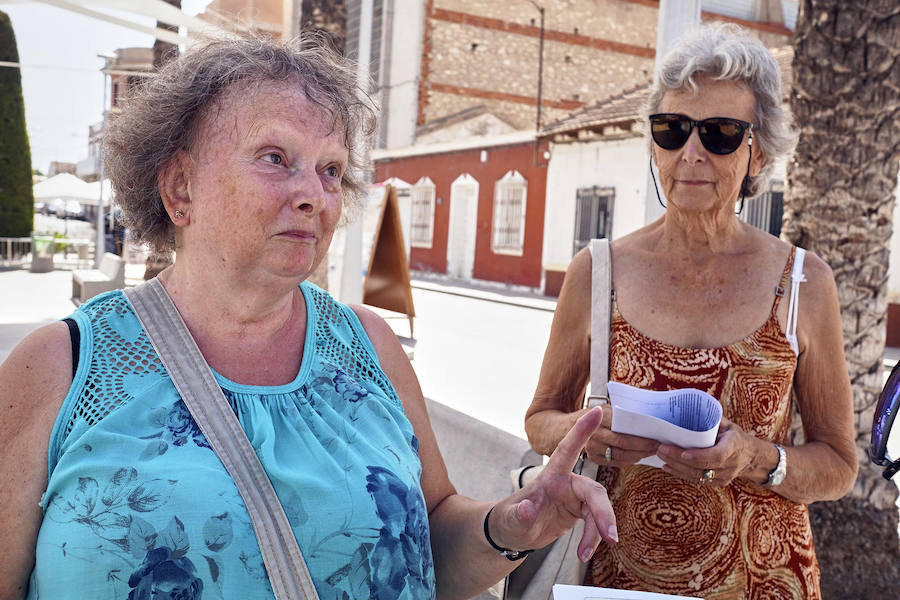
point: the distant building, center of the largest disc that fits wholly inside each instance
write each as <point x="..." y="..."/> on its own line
<point x="89" y="168"/>
<point x="57" y="167"/>
<point x="476" y="206"/>
<point x="457" y="83"/>
<point x="126" y="70"/>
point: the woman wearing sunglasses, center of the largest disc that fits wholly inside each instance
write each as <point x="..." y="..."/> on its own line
<point x="703" y="300"/>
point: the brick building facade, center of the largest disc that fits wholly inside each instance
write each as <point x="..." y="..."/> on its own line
<point x="482" y="52"/>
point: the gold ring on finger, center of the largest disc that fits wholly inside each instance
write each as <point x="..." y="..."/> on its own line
<point x="708" y="476"/>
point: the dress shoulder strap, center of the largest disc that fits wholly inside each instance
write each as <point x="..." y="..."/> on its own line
<point x="797" y="277"/>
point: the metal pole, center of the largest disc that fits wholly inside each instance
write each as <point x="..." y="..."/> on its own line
<point x="540" y="72"/>
<point x="100" y="244"/>
<point x="540" y="85"/>
<point x="291" y="14"/>
<point x="351" y="290"/>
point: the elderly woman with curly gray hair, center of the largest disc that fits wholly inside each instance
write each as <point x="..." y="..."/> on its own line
<point x="703" y="300"/>
<point x="241" y="155"/>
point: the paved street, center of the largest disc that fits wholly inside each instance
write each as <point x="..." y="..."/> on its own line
<point x="479" y="357"/>
<point x="30" y="300"/>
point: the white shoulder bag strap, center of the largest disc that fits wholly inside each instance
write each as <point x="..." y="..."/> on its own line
<point x="601" y="286"/>
<point x="202" y="395"/>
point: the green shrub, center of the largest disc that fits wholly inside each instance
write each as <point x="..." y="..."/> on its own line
<point x="16" y="193"/>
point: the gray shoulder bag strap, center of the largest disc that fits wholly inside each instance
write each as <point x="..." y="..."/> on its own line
<point x="202" y="395"/>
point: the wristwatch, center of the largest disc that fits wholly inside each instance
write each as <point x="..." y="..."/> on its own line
<point x="778" y="473"/>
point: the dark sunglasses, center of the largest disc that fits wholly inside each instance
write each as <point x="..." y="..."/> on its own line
<point x="719" y="135"/>
<point x="885" y="415"/>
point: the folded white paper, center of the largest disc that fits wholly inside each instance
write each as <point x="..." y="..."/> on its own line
<point x="581" y="592"/>
<point x="688" y="417"/>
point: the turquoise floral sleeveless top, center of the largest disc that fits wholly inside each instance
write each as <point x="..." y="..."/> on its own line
<point x="138" y="506"/>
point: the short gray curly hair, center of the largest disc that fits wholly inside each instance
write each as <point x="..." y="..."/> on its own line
<point x="726" y="52"/>
<point x="165" y="115"/>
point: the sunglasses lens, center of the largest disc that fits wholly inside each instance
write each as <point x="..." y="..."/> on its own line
<point x="721" y="136"/>
<point x="670" y="131"/>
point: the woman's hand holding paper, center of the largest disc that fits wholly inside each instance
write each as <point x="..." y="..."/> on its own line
<point x="732" y="455"/>
<point x="608" y="448"/>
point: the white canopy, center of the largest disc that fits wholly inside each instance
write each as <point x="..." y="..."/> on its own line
<point x="65" y="187"/>
<point x="95" y="193"/>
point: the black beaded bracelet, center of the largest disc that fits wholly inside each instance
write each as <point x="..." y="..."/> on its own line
<point x="505" y="552"/>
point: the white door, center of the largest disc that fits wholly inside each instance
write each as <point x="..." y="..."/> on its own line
<point x="461" y="237"/>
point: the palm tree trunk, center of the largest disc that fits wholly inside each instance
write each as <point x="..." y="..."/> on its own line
<point x="839" y="204"/>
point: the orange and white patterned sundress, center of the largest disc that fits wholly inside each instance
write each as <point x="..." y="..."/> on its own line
<point x="742" y="541"/>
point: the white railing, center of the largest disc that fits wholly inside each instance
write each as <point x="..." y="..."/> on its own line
<point x="14" y="251"/>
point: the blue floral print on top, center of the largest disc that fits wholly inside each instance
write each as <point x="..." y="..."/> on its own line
<point x="164" y="575"/>
<point x="139" y="507"/>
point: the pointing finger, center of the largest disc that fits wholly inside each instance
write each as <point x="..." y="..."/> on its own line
<point x="569" y="449"/>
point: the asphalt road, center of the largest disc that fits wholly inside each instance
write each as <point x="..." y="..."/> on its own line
<point x="481" y="358"/>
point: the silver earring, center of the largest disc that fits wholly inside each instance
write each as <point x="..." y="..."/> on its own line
<point x="179" y="214"/>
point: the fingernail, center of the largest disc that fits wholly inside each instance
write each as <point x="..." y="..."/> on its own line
<point x="585" y="555"/>
<point x="613" y="533"/>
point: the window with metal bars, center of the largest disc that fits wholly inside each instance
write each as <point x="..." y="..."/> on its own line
<point x="766" y="210"/>
<point x="422" y="218"/>
<point x="510" y="194"/>
<point x="593" y="215"/>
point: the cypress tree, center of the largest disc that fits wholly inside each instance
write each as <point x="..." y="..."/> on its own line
<point x="16" y="193"/>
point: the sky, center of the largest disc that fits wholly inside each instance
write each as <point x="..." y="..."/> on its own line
<point x="61" y="78"/>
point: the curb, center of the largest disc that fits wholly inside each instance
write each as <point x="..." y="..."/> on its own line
<point x="500" y="295"/>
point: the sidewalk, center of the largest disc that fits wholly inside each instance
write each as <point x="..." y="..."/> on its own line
<point x="29" y="300"/>
<point x="485" y="290"/>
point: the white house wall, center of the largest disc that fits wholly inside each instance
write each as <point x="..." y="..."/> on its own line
<point x="620" y="164"/>
<point x="894" y="267"/>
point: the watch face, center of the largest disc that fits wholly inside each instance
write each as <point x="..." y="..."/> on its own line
<point x="777" y="475"/>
